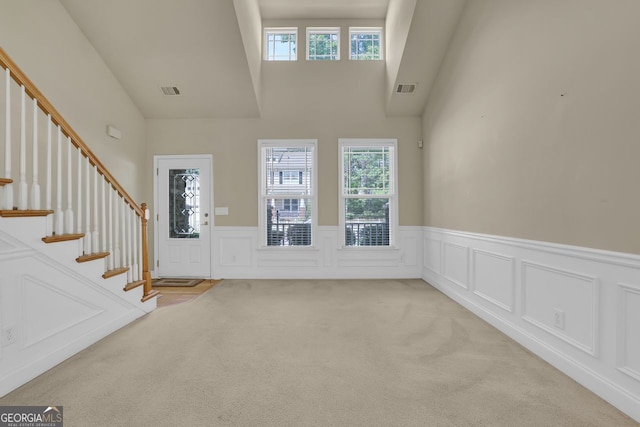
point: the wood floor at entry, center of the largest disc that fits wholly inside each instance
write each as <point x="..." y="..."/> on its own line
<point x="172" y="295"/>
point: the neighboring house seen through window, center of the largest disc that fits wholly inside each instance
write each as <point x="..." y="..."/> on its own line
<point x="287" y="205"/>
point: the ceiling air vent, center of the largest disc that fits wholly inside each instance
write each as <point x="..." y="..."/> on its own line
<point x="170" y="90"/>
<point x="406" y="88"/>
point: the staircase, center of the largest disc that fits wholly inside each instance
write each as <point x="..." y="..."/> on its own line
<point x="73" y="251"/>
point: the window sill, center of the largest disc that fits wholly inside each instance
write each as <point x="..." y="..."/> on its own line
<point x="288" y="248"/>
<point x="391" y="248"/>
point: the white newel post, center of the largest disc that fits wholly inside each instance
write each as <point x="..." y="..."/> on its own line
<point x="35" y="186"/>
<point x="23" y="188"/>
<point x="59" y="214"/>
<point x="95" y="236"/>
<point x="8" y="188"/>
<point x="68" y="214"/>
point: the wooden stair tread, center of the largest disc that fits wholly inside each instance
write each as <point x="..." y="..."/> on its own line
<point x="4" y="181"/>
<point x="134" y="285"/>
<point x="62" y="237"/>
<point x="114" y="272"/>
<point x="91" y="257"/>
<point x="15" y="213"/>
<point x="150" y="295"/>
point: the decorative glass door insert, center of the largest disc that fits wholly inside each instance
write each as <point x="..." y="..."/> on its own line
<point x="184" y="203"/>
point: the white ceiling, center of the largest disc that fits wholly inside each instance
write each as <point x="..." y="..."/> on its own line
<point x="197" y="45"/>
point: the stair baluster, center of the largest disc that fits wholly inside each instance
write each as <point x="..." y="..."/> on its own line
<point x="59" y="213"/>
<point x="107" y="217"/>
<point x="23" y="188"/>
<point x="87" y="194"/>
<point x="35" y="186"/>
<point x="7" y="190"/>
<point x="68" y="214"/>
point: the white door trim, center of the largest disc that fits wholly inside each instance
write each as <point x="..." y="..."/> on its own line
<point x="154" y="216"/>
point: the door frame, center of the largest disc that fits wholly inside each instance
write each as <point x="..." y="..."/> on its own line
<point x="154" y="214"/>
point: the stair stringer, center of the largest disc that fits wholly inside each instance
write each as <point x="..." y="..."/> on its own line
<point x="54" y="308"/>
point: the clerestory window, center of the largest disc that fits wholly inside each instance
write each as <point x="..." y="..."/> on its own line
<point x="365" y="43"/>
<point x="280" y="44"/>
<point x="323" y="44"/>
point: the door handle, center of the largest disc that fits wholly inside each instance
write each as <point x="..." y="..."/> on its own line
<point x="205" y="223"/>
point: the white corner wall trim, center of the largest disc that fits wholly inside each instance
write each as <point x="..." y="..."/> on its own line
<point x="577" y="308"/>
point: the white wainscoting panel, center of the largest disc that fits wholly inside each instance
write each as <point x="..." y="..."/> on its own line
<point x="238" y="255"/>
<point x="433" y="254"/>
<point x="551" y="292"/>
<point x="629" y="330"/>
<point x="493" y="278"/>
<point x="456" y="264"/>
<point x="577" y="308"/>
<point x="53" y="308"/>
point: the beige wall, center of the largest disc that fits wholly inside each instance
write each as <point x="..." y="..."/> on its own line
<point x="55" y="55"/>
<point x="532" y="128"/>
<point x="302" y="99"/>
<point x="233" y="144"/>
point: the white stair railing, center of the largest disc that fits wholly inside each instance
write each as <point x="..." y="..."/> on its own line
<point x="96" y="209"/>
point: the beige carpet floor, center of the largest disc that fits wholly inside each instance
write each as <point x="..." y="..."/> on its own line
<point x="313" y="353"/>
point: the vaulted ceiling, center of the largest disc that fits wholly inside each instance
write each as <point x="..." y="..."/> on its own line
<point x="211" y="50"/>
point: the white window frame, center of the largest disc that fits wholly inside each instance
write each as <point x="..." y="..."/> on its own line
<point x="323" y="30"/>
<point x="262" y="195"/>
<point x="366" y="30"/>
<point x="293" y="56"/>
<point x="393" y="189"/>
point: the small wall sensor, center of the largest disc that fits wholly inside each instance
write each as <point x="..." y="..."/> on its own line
<point x="419" y="143"/>
<point x="114" y="132"/>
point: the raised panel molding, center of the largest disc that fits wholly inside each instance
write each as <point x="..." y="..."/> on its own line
<point x="48" y="310"/>
<point x="494" y="278"/>
<point x="628" y="348"/>
<point x="546" y="291"/>
<point x="235" y="251"/>
<point x="517" y="284"/>
<point x="238" y="255"/>
<point x="455" y="261"/>
<point x="433" y="254"/>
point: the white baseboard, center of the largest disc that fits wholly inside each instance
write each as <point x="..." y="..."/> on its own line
<point x="574" y="307"/>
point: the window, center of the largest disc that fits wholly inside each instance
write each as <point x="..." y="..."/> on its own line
<point x="291" y="177"/>
<point x="366" y="43"/>
<point x="287" y="205"/>
<point x="323" y="44"/>
<point x="280" y="44"/>
<point x="368" y="189"/>
<point x="291" y="205"/>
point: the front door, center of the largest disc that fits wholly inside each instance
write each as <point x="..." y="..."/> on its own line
<point x="183" y="222"/>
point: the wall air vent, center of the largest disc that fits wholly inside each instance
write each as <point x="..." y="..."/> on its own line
<point x="406" y="88"/>
<point x="170" y="90"/>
